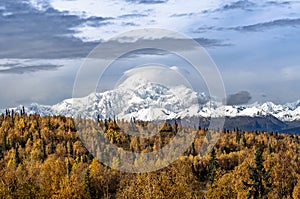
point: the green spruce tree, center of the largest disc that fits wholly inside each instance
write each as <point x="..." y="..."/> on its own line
<point x="259" y="186"/>
<point x="212" y="168"/>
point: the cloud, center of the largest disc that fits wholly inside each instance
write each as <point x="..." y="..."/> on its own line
<point x="97" y="21"/>
<point x="109" y="49"/>
<point x="242" y="4"/>
<point x="40" y="31"/>
<point x="278" y="23"/>
<point x="147" y="1"/>
<point x="136" y="77"/>
<point x="183" y="14"/>
<point x="17" y="69"/>
<point x="37" y="80"/>
<point x="242" y="97"/>
<point x="268" y="25"/>
<point x="31" y="33"/>
<point x="204" y="29"/>
<point x="129" y="24"/>
<point x="133" y="15"/>
<point x="205" y="42"/>
<point x="276" y="3"/>
<point x="128" y="14"/>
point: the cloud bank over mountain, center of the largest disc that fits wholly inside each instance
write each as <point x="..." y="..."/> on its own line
<point x="253" y="43"/>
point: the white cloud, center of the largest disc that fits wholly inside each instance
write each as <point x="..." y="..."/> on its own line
<point x="190" y="15"/>
<point x="155" y="15"/>
<point x="166" y="76"/>
<point x="39" y="4"/>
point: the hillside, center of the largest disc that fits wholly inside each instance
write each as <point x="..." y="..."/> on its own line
<point x="43" y="157"/>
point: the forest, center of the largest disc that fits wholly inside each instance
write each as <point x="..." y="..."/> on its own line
<point x="44" y="157"/>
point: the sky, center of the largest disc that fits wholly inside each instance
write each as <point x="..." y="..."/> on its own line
<point x="43" y="44"/>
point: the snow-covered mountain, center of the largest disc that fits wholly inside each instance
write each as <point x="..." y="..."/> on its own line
<point x="287" y="112"/>
<point x="153" y="101"/>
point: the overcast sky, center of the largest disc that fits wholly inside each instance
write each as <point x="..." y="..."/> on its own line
<point x="255" y="44"/>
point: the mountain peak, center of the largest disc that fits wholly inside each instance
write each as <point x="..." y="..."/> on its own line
<point x="155" y="101"/>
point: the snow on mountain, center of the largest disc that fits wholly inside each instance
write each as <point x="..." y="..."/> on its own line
<point x="150" y="101"/>
<point x="286" y="112"/>
<point x="153" y="101"/>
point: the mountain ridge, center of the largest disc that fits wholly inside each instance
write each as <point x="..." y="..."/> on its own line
<point x="153" y="101"/>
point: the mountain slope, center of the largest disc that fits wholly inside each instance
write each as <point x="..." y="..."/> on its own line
<point x="152" y="101"/>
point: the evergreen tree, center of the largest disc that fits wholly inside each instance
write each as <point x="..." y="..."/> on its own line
<point x="238" y="136"/>
<point x="193" y="150"/>
<point x="22" y="111"/>
<point x="87" y="184"/>
<point x="4" y="143"/>
<point x="106" y="125"/>
<point x="69" y="167"/>
<point x="87" y="180"/>
<point x="16" y="156"/>
<point x="44" y="149"/>
<point x="260" y="185"/>
<point x="70" y="147"/>
<point x="212" y="168"/>
<point x="244" y="141"/>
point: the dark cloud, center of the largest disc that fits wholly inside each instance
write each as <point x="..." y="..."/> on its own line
<point x="237" y="5"/>
<point x="129" y="24"/>
<point x="147" y="1"/>
<point x="184" y="14"/>
<point x="243" y="4"/>
<point x="98" y="21"/>
<point x="204" y="29"/>
<point x="276" y="3"/>
<point x="242" y="97"/>
<point x="132" y="16"/>
<point x="97" y="24"/>
<point x="205" y="42"/>
<point x="30" y="33"/>
<point x="253" y="27"/>
<point x="268" y="25"/>
<point x="110" y="48"/>
<point x="17" y="69"/>
<point x="93" y="18"/>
